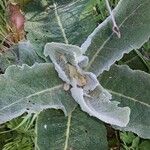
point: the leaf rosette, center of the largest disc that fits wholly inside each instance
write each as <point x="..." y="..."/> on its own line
<point x="85" y="88"/>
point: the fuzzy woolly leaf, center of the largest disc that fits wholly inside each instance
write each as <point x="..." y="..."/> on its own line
<point x="78" y="131"/>
<point x="103" y="47"/>
<point x="98" y="104"/>
<point x="58" y="21"/>
<point x="32" y="89"/>
<point x="131" y="88"/>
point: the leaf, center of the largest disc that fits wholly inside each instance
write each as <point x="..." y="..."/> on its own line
<point x="103" y="47"/>
<point x="135" y="142"/>
<point x="97" y="103"/>
<point x="32" y="89"/>
<point x="66" y="59"/>
<point x="131" y="88"/>
<point x="4" y="137"/>
<point x="21" y="53"/>
<point x="78" y="131"/>
<point x="145" y="145"/>
<point x="64" y="21"/>
<point x="127" y="137"/>
<point x="86" y="90"/>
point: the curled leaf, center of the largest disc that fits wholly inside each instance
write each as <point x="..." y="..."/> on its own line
<point x="97" y="103"/>
<point x="67" y="60"/>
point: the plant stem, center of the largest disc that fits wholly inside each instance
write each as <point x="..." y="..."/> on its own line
<point x="115" y="26"/>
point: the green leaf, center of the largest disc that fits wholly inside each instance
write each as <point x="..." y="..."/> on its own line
<point x="145" y="145"/>
<point x="21" y="53"/>
<point x="127" y="137"/>
<point x="63" y="21"/>
<point x="103" y="47"/>
<point x="4" y="137"/>
<point x="131" y="88"/>
<point x="79" y="131"/>
<point x="135" y="143"/>
<point x="32" y="89"/>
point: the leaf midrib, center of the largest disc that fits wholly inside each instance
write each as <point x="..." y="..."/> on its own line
<point x="128" y="97"/>
<point x="68" y="131"/>
<point x="66" y="41"/>
<point x="33" y="94"/>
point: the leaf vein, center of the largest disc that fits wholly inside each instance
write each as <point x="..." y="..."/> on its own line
<point x="127" y="97"/>
<point x="60" y="24"/>
<point x="67" y="132"/>
<point x="34" y="94"/>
